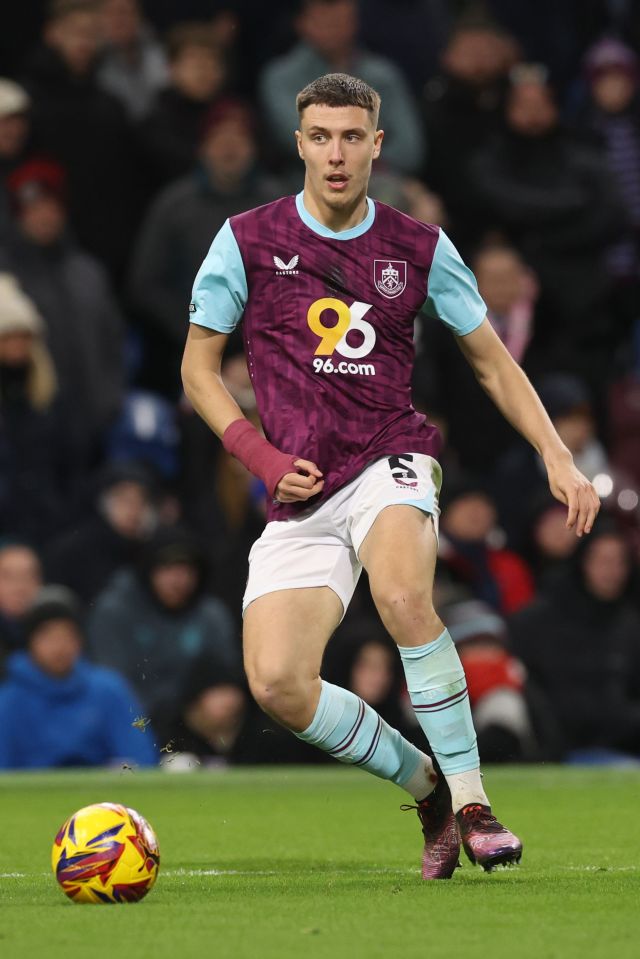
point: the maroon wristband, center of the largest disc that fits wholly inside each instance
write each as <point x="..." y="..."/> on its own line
<point x="243" y="441"/>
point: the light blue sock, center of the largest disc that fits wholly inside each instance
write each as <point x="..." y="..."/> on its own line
<point x="438" y="691"/>
<point x="348" y="729"/>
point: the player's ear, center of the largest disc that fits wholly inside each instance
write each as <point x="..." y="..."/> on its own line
<point x="377" y="143"/>
<point x="299" y="144"/>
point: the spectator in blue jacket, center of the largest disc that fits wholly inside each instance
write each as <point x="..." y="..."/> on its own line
<point x="56" y="709"/>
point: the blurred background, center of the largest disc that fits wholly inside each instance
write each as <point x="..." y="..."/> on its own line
<point x="129" y="132"/>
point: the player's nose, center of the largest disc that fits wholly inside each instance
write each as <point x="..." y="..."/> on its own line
<point x="336" y="153"/>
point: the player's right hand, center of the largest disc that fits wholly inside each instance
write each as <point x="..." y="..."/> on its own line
<point x="298" y="487"/>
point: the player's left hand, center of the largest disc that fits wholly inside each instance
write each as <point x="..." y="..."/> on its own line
<point x="572" y="488"/>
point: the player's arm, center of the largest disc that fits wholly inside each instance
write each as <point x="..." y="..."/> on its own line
<point x="203" y="385"/>
<point x="509" y="388"/>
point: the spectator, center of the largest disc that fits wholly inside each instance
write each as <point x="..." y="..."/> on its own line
<point x="211" y="718"/>
<point x="35" y="463"/>
<point x="133" y="66"/>
<point x="568" y="403"/>
<point x="463" y="109"/>
<point x="613" y="72"/>
<point x="171" y="133"/>
<point x="552" y="197"/>
<point x="496" y="681"/>
<point x="494" y="574"/>
<point x="56" y="709"/>
<point x="327" y="32"/>
<point x="475" y="429"/>
<point x="14" y="136"/>
<point x="86" y="557"/>
<point x="580" y="642"/>
<point x="84" y="129"/>
<point x="20" y="581"/>
<point x="180" y="227"/>
<point x="157" y="627"/>
<point x="551" y="545"/>
<point x="74" y="297"/>
<point x="411" y="34"/>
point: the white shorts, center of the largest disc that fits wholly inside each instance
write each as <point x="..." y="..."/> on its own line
<point x="320" y="547"/>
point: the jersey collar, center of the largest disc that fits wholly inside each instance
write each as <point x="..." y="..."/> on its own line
<point x="322" y="230"/>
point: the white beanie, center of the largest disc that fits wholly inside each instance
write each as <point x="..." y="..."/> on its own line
<point x="13" y="98"/>
<point x="18" y="313"/>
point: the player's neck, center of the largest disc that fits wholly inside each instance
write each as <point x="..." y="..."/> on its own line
<point x="335" y="220"/>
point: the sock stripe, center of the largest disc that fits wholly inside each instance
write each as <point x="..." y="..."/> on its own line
<point x="442" y="703"/>
<point x="372" y="746"/>
<point x="353" y="732"/>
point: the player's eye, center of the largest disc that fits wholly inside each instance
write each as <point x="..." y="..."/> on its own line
<point x="353" y="138"/>
<point x="319" y="138"/>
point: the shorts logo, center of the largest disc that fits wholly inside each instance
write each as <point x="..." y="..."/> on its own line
<point x="390" y="277"/>
<point x="286" y="269"/>
<point x="401" y="471"/>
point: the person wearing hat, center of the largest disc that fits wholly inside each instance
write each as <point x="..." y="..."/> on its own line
<point x="32" y="441"/>
<point x="57" y="709"/>
<point x="224" y="179"/>
<point x="125" y="514"/>
<point x="568" y="402"/>
<point x="74" y="297"/>
<point x="156" y="625"/>
<point x="85" y="128"/>
<point x="496" y="681"/>
<point x="14" y="136"/>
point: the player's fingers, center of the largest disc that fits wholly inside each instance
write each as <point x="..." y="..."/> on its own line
<point x="594" y="509"/>
<point x="308" y="467"/>
<point x="299" y="495"/>
<point x="573" y="505"/>
<point x="584" y="504"/>
<point x="295" y="481"/>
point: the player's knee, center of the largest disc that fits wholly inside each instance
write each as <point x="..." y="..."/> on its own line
<point x="279" y="693"/>
<point x="404" y="608"/>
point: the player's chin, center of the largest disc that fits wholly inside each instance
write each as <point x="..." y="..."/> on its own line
<point x="337" y="200"/>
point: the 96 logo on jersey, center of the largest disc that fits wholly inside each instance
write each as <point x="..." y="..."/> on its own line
<point x="334" y="338"/>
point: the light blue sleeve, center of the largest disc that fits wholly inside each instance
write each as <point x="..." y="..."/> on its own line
<point x="220" y="287"/>
<point x="452" y="291"/>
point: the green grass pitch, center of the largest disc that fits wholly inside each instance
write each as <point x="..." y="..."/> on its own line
<point x="321" y="864"/>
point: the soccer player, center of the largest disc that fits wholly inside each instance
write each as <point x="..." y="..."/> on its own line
<point x="328" y="284"/>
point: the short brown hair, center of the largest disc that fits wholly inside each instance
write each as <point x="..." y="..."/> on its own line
<point x="60" y="9"/>
<point x="339" y="90"/>
<point x="190" y="33"/>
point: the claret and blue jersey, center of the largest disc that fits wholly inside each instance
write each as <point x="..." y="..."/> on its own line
<point x="328" y="321"/>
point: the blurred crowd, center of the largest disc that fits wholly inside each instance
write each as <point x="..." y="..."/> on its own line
<point x="129" y="132"/>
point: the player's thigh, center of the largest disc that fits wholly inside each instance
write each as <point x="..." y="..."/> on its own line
<point x="399" y="554"/>
<point x="286" y="631"/>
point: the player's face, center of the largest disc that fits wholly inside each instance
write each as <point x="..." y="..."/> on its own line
<point x="338" y="146"/>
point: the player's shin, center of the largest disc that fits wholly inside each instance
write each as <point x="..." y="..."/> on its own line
<point x="352" y="732"/>
<point x="438" y="690"/>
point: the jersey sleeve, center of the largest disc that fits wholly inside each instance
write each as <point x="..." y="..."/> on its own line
<point x="452" y="291"/>
<point x="220" y="287"/>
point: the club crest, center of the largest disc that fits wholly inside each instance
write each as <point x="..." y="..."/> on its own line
<point x="390" y="277"/>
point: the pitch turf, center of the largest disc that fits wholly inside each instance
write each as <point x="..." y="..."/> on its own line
<point x="321" y="864"/>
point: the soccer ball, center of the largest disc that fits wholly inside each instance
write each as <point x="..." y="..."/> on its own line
<point x="105" y="853"/>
